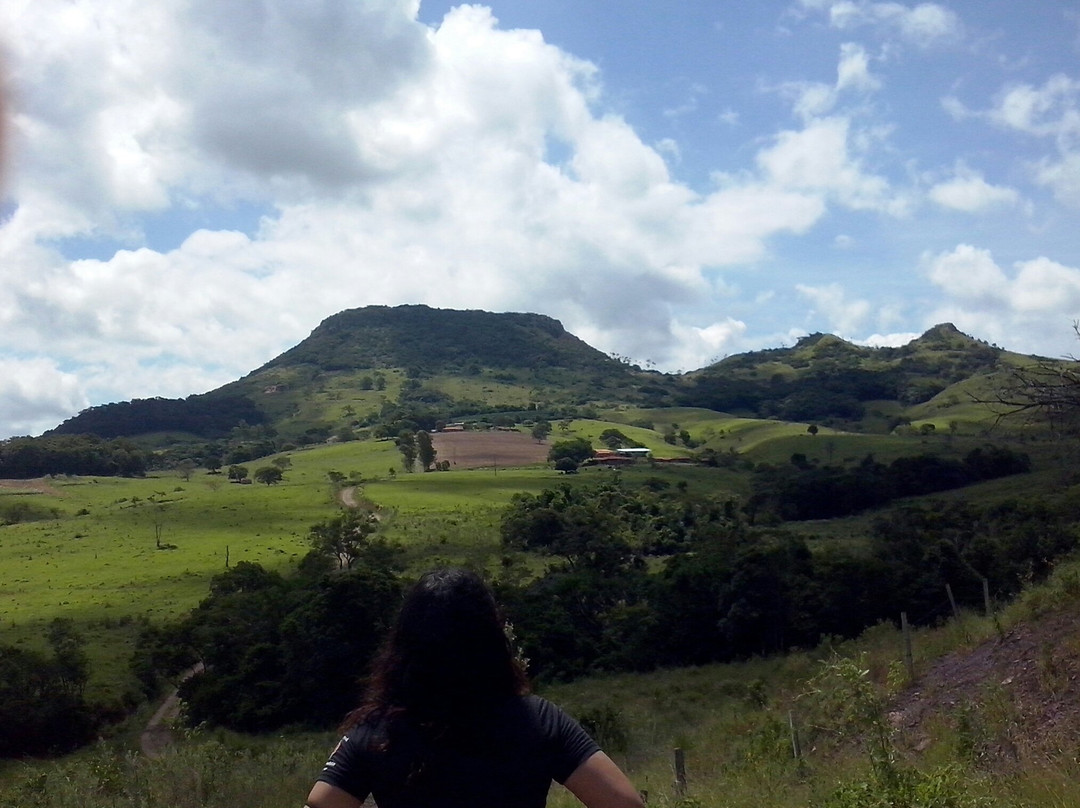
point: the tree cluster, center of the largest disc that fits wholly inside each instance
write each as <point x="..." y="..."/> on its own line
<point x="25" y="458"/>
<point x="206" y="416"/>
<point x="276" y="651"/>
<point x="726" y="590"/>
<point x="802" y="491"/>
<point x="42" y="707"/>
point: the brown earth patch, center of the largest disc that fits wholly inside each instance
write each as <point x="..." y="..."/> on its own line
<point x="1018" y="695"/>
<point x="38" y="486"/>
<point x="471" y="450"/>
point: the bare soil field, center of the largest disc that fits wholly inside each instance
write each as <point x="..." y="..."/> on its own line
<point x="38" y="486"/>
<point x="471" y="450"/>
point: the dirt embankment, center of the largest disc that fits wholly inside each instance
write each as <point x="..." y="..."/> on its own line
<point x="1023" y="691"/>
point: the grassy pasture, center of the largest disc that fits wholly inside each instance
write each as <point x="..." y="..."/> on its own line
<point x="592" y="430"/>
<point x="99" y="563"/>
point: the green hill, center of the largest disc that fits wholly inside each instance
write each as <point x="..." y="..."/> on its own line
<point x="417" y="366"/>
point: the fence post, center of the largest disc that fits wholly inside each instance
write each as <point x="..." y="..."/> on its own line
<point x="909" y="660"/>
<point x="680" y="772"/>
<point x="990" y="609"/>
<point x="796" y="750"/>
<point x="952" y="601"/>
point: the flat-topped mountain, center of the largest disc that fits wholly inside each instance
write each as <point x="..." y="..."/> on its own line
<point x="431" y="341"/>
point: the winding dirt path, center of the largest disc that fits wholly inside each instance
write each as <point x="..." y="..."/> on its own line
<point x="158" y="735"/>
<point x="347" y="497"/>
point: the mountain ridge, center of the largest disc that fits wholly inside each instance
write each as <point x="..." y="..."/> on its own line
<point x="433" y="364"/>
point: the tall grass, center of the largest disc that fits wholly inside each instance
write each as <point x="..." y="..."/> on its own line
<point x="733" y="723"/>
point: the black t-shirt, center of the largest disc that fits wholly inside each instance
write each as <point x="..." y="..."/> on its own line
<point x="507" y="760"/>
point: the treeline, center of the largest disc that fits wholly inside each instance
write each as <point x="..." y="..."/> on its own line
<point x="206" y="416"/>
<point x="637" y="578"/>
<point x="727" y="590"/>
<point x="801" y="490"/>
<point x="25" y="458"/>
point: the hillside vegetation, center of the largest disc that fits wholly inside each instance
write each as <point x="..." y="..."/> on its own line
<point x="374" y="366"/>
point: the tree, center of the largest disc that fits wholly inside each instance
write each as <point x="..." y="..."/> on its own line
<point x="577" y="449"/>
<point x="425" y="450"/>
<point x="42" y="708"/>
<point x="812" y="429"/>
<point x="185" y="468"/>
<point x="541" y="430"/>
<point x="566" y="465"/>
<point x="269" y="475"/>
<point x="212" y="461"/>
<point x="237" y="473"/>
<point x="282" y="462"/>
<point x="614" y="439"/>
<point x="406" y="444"/>
<point x="344" y="537"/>
<point x="1047" y="388"/>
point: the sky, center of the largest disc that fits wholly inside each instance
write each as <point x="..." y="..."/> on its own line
<point x="191" y="186"/>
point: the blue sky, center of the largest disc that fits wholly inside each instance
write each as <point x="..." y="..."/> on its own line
<point x="191" y="186"/>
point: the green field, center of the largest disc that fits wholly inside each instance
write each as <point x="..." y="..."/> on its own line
<point x="124" y="550"/>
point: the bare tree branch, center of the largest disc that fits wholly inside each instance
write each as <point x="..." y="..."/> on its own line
<point x="1046" y="390"/>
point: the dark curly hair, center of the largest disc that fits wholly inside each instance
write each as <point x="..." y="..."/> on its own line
<point x="447" y="659"/>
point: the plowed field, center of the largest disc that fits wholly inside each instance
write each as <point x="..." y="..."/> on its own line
<point x="471" y="450"/>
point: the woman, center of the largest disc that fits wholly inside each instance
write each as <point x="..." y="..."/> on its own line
<point x="447" y="719"/>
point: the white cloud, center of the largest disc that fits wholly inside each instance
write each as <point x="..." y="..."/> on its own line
<point x="1043" y="285"/>
<point x="923" y="25"/>
<point x="819" y="159"/>
<point x="892" y="340"/>
<point x="970" y="274"/>
<point x="702" y="346"/>
<point x="36" y="395"/>
<point x="814" y="99"/>
<point x="1032" y="306"/>
<point x="844" y="316"/>
<point x="1062" y="176"/>
<point x="970" y="193"/>
<point x="1051" y="112"/>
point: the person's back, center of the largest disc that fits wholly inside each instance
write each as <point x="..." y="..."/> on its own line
<point x="447" y="722"/>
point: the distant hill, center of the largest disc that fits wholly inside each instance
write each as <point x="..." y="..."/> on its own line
<point x="419" y="365"/>
<point x="824" y="378"/>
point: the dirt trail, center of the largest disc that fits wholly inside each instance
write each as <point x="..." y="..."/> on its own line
<point x="347" y="497"/>
<point x="158" y="735"/>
